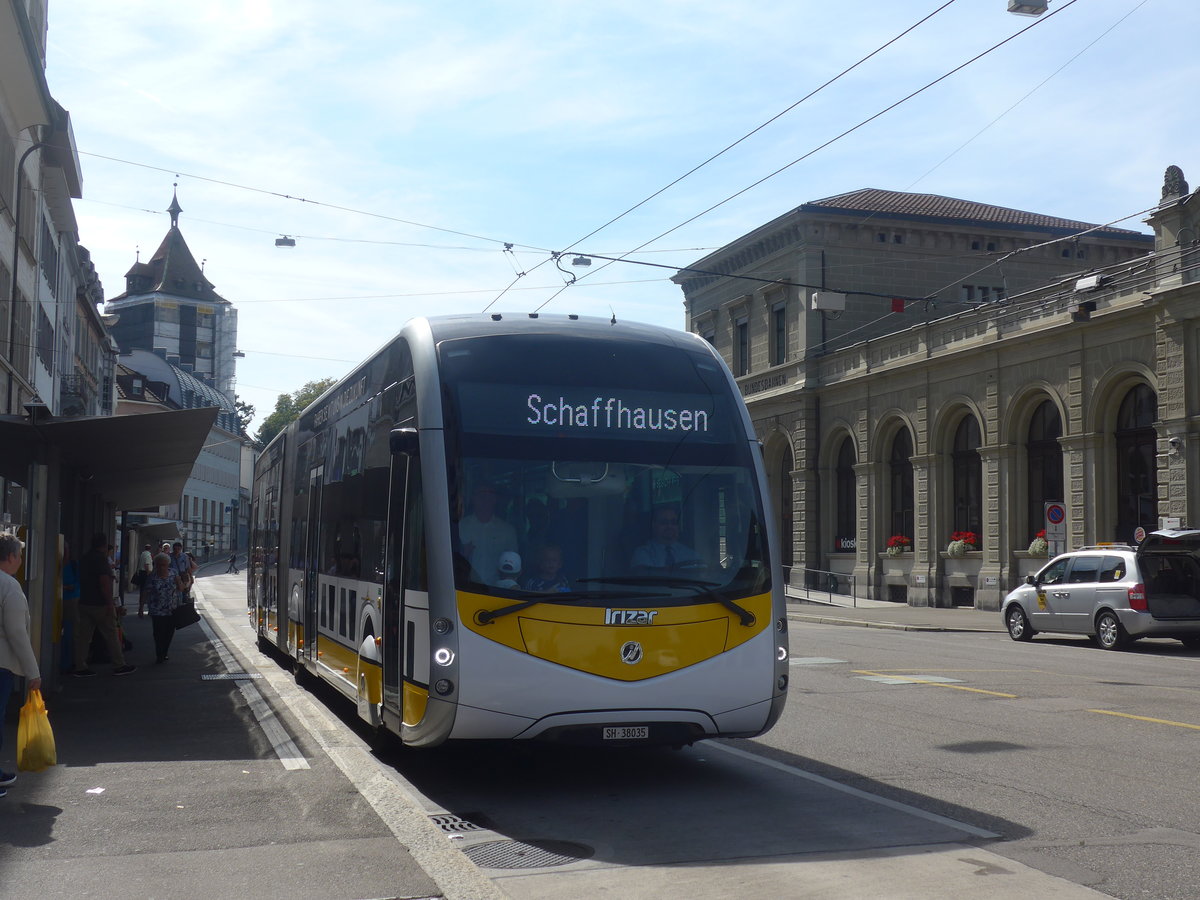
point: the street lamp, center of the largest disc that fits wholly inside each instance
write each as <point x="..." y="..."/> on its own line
<point x="12" y="297"/>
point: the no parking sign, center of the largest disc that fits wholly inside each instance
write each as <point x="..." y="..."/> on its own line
<point x="1056" y="526"/>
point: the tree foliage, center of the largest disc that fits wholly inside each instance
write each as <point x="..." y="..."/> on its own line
<point x="245" y="414"/>
<point x="289" y="406"/>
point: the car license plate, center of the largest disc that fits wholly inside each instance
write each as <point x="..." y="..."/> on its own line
<point x="627" y="732"/>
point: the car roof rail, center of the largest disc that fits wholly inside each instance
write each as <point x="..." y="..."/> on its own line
<point x="1110" y="546"/>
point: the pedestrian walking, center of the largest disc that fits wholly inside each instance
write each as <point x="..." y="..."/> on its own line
<point x="16" y="649"/>
<point x="98" y="610"/>
<point x="145" y="566"/>
<point x="164" y="588"/>
<point x="184" y="566"/>
<point x="232" y="563"/>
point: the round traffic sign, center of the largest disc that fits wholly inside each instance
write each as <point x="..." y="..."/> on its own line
<point x="1056" y="513"/>
<point x="1139" y="534"/>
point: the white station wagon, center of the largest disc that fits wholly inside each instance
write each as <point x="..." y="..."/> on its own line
<point x="1114" y="593"/>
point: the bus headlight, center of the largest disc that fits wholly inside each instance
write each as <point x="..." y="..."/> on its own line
<point x="783" y="680"/>
<point x="442" y="626"/>
<point x="443" y="656"/>
<point x="444" y="686"/>
<point x="781" y="653"/>
<point x="781" y="625"/>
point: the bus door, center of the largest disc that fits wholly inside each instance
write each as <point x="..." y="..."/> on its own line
<point x="307" y="648"/>
<point x="406" y="597"/>
<point x="393" y="599"/>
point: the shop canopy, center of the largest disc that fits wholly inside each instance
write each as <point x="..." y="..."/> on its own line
<point x="134" y="462"/>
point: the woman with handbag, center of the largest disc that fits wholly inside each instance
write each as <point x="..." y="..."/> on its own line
<point x="163" y="592"/>
<point x="16" y="649"/>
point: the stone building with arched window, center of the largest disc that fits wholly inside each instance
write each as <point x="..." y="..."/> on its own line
<point x="899" y="403"/>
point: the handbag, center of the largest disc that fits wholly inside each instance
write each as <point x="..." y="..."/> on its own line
<point x="35" y="739"/>
<point x="184" y="615"/>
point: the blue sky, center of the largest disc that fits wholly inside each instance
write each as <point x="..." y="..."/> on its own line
<point x="535" y="124"/>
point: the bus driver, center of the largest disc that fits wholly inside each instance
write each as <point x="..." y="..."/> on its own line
<point x="663" y="552"/>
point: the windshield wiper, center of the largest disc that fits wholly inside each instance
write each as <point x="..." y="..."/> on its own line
<point x="487" y="616"/>
<point x="702" y="589"/>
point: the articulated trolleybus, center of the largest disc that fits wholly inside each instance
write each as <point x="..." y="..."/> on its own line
<point x="527" y="527"/>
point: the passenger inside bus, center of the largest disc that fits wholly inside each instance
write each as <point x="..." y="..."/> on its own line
<point x="548" y="577"/>
<point x="484" y="535"/>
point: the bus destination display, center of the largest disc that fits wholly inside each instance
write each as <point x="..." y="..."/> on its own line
<point x="581" y="412"/>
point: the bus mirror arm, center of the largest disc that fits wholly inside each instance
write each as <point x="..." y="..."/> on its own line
<point x="405" y="440"/>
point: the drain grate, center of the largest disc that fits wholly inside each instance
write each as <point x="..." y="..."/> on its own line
<point x="452" y="824"/>
<point x="534" y="854"/>
<point x="226" y="676"/>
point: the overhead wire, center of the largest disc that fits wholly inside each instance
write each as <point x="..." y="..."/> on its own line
<point x="729" y="147"/>
<point x="1028" y="93"/>
<point x="320" y="203"/>
<point x="1037" y="22"/>
<point x="696" y="168"/>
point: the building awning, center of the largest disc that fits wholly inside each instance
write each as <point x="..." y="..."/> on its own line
<point x="133" y="462"/>
<point x="154" y="535"/>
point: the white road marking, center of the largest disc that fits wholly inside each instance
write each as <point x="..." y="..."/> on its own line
<point x="281" y="742"/>
<point x="910" y="679"/>
<point x="813" y="661"/>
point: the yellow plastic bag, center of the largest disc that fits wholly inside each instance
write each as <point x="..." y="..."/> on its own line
<point x="35" y="740"/>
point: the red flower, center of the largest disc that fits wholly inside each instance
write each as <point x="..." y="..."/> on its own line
<point x="899" y="540"/>
<point x="970" y="538"/>
<point x="1041" y="534"/>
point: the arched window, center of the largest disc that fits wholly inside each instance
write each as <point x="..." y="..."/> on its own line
<point x="786" y="516"/>
<point x="901" y="515"/>
<point x="968" y="477"/>
<point x="1137" y="474"/>
<point x="846" y="500"/>
<point x="1043" y="455"/>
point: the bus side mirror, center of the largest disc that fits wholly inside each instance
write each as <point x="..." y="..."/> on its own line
<point x="405" y="440"/>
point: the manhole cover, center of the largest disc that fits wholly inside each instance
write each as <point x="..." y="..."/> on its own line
<point x="526" y="854"/>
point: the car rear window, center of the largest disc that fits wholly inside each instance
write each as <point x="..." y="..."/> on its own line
<point x="1113" y="569"/>
<point x="1084" y="569"/>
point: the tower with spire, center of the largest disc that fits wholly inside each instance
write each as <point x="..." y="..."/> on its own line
<point x="170" y="308"/>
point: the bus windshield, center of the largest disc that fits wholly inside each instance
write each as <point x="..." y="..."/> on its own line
<point x="626" y="469"/>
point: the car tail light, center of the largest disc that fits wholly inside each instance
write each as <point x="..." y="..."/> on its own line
<point x="1137" y="598"/>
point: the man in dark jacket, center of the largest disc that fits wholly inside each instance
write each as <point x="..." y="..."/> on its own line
<point x="98" y="610"/>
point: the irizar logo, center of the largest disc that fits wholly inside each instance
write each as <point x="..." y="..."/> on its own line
<point x="629" y="616"/>
<point x="631" y="653"/>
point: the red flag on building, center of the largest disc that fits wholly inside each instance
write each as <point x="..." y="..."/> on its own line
<point x="897" y="304"/>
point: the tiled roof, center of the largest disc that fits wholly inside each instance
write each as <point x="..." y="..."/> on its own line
<point x="932" y="207"/>
<point x="171" y="270"/>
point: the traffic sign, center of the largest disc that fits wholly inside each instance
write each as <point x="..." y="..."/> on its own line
<point x="1056" y="526"/>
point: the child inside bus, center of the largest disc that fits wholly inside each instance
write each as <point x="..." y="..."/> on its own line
<point x="548" y="577"/>
<point x="508" y="569"/>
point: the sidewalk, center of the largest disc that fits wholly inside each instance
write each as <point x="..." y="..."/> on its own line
<point x="177" y="782"/>
<point x="838" y="609"/>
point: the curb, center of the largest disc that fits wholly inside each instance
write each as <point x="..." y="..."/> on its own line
<point x="824" y="619"/>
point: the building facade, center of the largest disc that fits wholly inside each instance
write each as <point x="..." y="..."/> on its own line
<point x="67" y="465"/>
<point x="904" y="405"/>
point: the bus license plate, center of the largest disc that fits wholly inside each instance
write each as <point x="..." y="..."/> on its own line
<point x="627" y="733"/>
